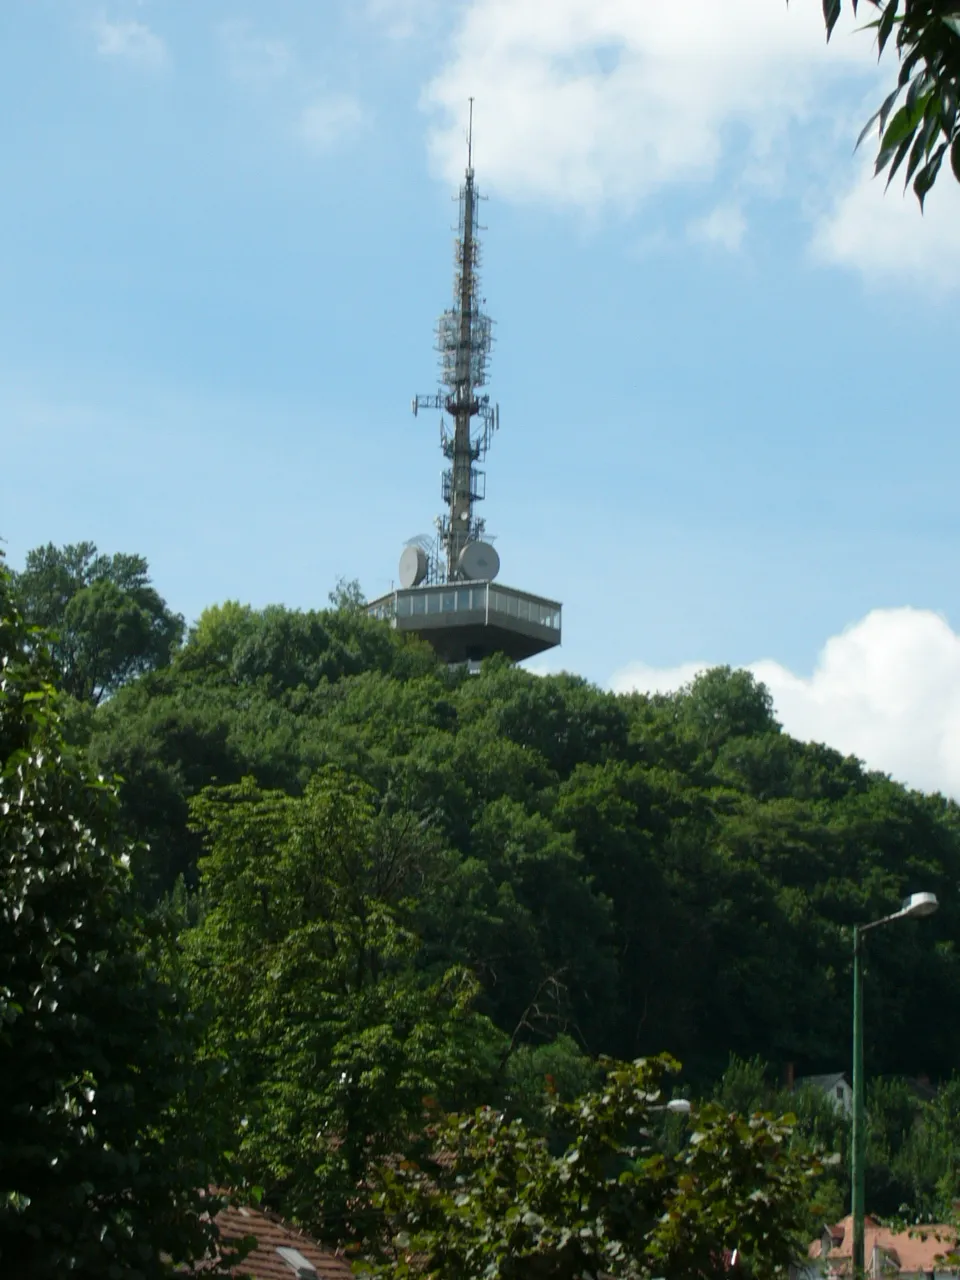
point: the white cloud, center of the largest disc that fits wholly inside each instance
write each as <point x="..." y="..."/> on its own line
<point x="328" y="121"/>
<point x="644" y="679"/>
<point x="131" y="42"/>
<point x="724" y="226"/>
<point x="584" y="102"/>
<point x="884" y="236"/>
<point x="252" y="58"/>
<point x="886" y="690"/>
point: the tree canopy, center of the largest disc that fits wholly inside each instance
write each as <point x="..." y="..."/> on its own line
<point x="102" y="1164"/>
<point x="332" y="1031"/>
<point x="403" y="891"/>
<point x="494" y="1199"/>
<point x="674" y="870"/>
<point x="104" y="621"/>
<point x="917" y="123"/>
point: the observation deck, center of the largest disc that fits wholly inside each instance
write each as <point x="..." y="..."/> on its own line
<point x="469" y="621"/>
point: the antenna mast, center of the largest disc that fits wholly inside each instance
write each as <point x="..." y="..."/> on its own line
<point x="479" y="616"/>
<point x="464" y="338"/>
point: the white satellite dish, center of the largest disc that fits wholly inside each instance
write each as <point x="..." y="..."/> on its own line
<point x="479" y="562"/>
<point x="413" y="566"/>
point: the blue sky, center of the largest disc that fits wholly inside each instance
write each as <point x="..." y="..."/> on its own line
<point x="725" y="362"/>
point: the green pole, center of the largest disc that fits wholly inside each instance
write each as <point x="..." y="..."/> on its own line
<point x="859" y="1118"/>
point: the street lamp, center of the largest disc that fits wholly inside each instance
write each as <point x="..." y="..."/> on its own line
<point x="916" y="906"/>
<point x="677" y="1107"/>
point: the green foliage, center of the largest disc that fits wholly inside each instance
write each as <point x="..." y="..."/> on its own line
<point x="722" y="704"/>
<point x="912" y="1140"/>
<point x="748" y="1088"/>
<point x="912" y="1136"/>
<point x="107" y="623"/>
<point x="601" y="875"/>
<point x="102" y="1158"/>
<point x="337" y="1039"/>
<point x="682" y="872"/>
<point x="347" y="594"/>
<point x="536" y="1076"/>
<point x="497" y="1201"/>
<point x="917" y="123"/>
<point x="402" y="891"/>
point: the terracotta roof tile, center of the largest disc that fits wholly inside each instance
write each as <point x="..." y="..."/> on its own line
<point x="911" y="1251"/>
<point x="264" y="1262"/>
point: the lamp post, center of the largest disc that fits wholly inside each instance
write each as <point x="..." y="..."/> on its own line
<point x="917" y="905"/>
<point x="676" y="1106"/>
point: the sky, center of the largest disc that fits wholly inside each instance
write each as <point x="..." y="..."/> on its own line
<point x="725" y="360"/>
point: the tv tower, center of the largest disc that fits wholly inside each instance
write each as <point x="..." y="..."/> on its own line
<point x="464" y="338"/>
<point x="446" y="593"/>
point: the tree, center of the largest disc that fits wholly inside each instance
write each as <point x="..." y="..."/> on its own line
<point x="103" y="1163"/>
<point x="721" y="704"/>
<point x="685" y="870"/>
<point x="347" y="594"/>
<point x="495" y="1200"/>
<point x="925" y="125"/>
<point x="335" y="1034"/>
<point x="108" y="622"/>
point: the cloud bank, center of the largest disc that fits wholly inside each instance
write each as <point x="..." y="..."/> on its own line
<point x="886" y="690"/>
<point x="600" y="104"/>
<point x="587" y="102"/>
<point x="884" y="236"/>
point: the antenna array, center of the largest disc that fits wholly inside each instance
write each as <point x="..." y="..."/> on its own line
<point x="467" y="420"/>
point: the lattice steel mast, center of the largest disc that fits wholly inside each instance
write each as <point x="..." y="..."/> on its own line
<point x="449" y="594"/>
<point x="464" y="338"/>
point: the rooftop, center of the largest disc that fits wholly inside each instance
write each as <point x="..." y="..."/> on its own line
<point x="908" y="1252"/>
<point x="282" y="1252"/>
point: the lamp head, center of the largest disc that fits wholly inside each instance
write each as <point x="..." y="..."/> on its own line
<point x="679" y="1106"/>
<point x="919" y="905"/>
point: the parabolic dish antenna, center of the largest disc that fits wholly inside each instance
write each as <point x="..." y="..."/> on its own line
<point x="413" y="566"/>
<point x="479" y="562"/>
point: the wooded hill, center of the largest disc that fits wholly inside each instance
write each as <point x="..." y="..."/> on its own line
<point x="681" y="869"/>
<point x="395" y="881"/>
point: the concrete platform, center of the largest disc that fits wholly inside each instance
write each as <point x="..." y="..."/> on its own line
<point x="469" y="621"/>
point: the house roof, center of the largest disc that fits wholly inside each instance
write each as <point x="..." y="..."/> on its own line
<point x="280" y="1249"/>
<point x="824" y="1082"/>
<point x="912" y="1251"/>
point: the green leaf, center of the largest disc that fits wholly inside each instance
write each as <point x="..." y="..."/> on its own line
<point x="928" y="174"/>
<point x="902" y="126"/>
<point x="918" y="84"/>
<point x="955" y="157"/>
<point x="888" y="105"/>
<point x="866" y="129"/>
<point x="917" y="153"/>
<point x="886" y="24"/>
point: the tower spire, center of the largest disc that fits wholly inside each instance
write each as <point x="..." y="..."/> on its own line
<point x="468" y="420"/>
<point x="448" y="594"/>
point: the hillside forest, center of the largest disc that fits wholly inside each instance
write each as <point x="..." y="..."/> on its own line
<point x="391" y="886"/>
